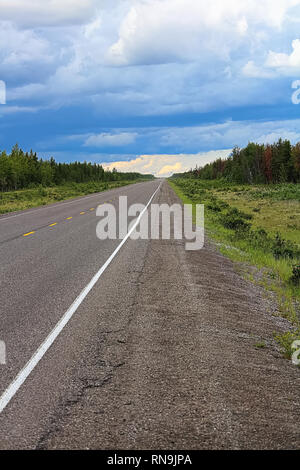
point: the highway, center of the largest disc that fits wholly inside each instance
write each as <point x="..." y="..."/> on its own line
<point x="48" y="256"/>
<point x="157" y="353"/>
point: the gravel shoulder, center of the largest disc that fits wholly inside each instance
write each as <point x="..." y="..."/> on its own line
<point x="180" y="369"/>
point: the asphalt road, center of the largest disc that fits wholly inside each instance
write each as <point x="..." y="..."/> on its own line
<point x="161" y="354"/>
<point x="48" y="256"/>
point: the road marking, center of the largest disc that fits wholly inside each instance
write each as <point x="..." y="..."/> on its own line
<point x="41" y="351"/>
<point x="27" y="234"/>
<point x="50" y="206"/>
<point x="52" y="225"/>
<point x="69" y="218"/>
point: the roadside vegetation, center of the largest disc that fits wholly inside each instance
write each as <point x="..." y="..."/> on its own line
<point x="27" y="198"/>
<point x="22" y="170"/>
<point x="256" y="225"/>
<point x="26" y="181"/>
<point x="256" y="164"/>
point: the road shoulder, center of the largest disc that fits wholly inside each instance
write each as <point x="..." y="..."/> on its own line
<point x="184" y="370"/>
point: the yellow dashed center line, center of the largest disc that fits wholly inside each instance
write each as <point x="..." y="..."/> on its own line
<point x="55" y="223"/>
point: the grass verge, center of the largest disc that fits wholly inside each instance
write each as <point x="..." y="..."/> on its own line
<point x="256" y="227"/>
<point x="27" y="198"/>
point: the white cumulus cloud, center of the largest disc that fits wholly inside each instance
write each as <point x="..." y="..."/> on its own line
<point x="166" y="165"/>
<point x="280" y="59"/>
<point x="158" y="31"/>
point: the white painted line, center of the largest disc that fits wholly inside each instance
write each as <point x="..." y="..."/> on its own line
<point x="35" y="359"/>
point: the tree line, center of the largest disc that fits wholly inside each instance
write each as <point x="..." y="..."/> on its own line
<point x="276" y="163"/>
<point x="20" y="170"/>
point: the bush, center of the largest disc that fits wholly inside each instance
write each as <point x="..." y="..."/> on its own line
<point x="234" y="220"/>
<point x="214" y="206"/>
<point x="295" y="278"/>
<point x="260" y="239"/>
<point x="283" y="249"/>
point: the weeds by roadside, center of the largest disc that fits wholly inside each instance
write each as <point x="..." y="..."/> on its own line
<point x="27" y="198"/>
<point x="246" y="223"/>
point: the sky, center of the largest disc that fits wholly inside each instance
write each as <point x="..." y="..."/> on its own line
<point x="155" y="86"/>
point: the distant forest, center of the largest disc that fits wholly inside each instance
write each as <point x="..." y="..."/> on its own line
<point x="277" y="163"/>
<point x="20" y="170"/>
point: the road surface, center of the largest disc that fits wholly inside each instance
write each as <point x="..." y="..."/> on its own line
<point x="159" y="354"/>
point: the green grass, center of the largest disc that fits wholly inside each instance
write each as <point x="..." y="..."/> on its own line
<point x="260" y="345"/>
<point x="286" y="340"/>
<point x="255" y="226"/>
<point x="267" y="207"/>
<point x="41" y="196"/>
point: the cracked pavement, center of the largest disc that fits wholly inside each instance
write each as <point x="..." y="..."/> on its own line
<point x="161" y="355"/>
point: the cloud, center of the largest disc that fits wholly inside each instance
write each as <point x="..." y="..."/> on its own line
<point x="279" y="59"/>
<point x="6" y="110"/>
<point x="22" y="46"/>
<point x="253" y="71"/>
<point x="194" y="142"/>
<point x="177" y="140"/>
<point x="282" y="133"/>
<point x="170" y="169"/>
<point x="110" y="140"/>
<point x="26" y="92"/>
<point x="31" y="13"/>
<point x="165" y="165"/>
<point x="229" y="133"/>
<point x="160" y="31"/>
<point x="202" y="46"/>
<point x="179" y="59"/>
<point x="277" y="63"/>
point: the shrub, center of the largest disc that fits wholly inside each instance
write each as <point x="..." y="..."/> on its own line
<point x="237" y="213"/>
<point x="214" y="206"/>
<point x="283" y="249"/>
<point x="234" y="221"/>
<point x="286" y="340"/>
<point x="295" y="278"/>
<point x="260" y="239"/>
